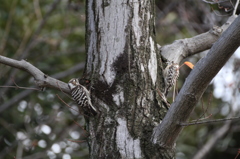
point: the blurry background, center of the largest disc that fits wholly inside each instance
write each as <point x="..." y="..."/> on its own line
<point x="50" y="34"/>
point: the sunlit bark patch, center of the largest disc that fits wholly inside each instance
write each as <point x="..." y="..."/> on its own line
<point x="128" y="147"/>
<point x="152" y="64"/>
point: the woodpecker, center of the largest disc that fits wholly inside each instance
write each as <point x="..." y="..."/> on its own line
<point x="82" y="97"/>
<point x="171" y="73"/>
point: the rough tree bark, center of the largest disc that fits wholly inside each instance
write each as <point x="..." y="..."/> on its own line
<point x="125" y="66"/>
<point x="126" y="70"/>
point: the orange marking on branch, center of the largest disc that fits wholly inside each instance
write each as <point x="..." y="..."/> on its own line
<point x="189" y="64"/>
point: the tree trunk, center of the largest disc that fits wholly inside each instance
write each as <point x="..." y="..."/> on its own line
<point x="126" y="70"/>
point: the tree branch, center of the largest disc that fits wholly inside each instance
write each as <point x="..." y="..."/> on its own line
<point x="212" y="140"/>
<point x="166" y="133"/>
<point x="209" y="121"/>
<point x="183" y="48"/>
<point x="25" y="93"/>
<point x="236" y="7"/>
<point x="41" y="79"/>
<point x="223" y="130"/>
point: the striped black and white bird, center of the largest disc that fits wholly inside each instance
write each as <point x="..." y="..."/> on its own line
<point x="171" y="73"/>
<point x="82" y="97"/>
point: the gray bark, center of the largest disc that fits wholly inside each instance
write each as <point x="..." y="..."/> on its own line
<point x="184" y="48"/>
<point x="126" y="71"/>
<point x="125" y="67"/>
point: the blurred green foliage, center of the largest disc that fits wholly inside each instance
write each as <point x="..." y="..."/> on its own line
<point x="50" y="35"/>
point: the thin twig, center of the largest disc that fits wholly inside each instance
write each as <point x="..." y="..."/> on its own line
<point x="62" y="90"/>
<point x="209" y="102"/>
<point x="202" y="108"/>
<point x="66" y="103"/>
<point x="237" y="154"/>
<point x="236" y="7"/>
<point x="202" y="118"/>
<point x="19" y="87"/>
<point x="209" y="2"/>
<point x="219" y="14"/>
<point x="77" y="140"/>
<point x="86" y="132"/>
<point x="213" y="2"/>
<point x="70" y="106"/>
<point x="14" y="81"/>
<point x="209" y="121"/>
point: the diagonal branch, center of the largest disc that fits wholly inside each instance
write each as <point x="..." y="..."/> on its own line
<point x="41" y="79"/>
<point x="236" y="7"/>
<point x="219" y="133"/>
<point x="166" y="133"/>
<point x="25" y="93"/>
<point x="183" y="48"/>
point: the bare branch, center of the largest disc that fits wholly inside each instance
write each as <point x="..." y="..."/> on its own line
<point x="67" y="104"/>
<point x="209" y="2"/>
<point x="209" y="121"/>
<point x="85" y="131"/>
<point x="59" y="75"/>
<point x="202" y="118"/>
<point x="183" y="48"/>
<point x="41" y="79"/>
<point x="237" y="154"/>
<point x="166" y="133"/>
<point x="236" y="7"/>
<point x="19" y="87"/>
<point x="222" y="131"/>
<point x="212" y="140"/>
<point x="25" y="93"/>
<point x="79" y="141"/>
